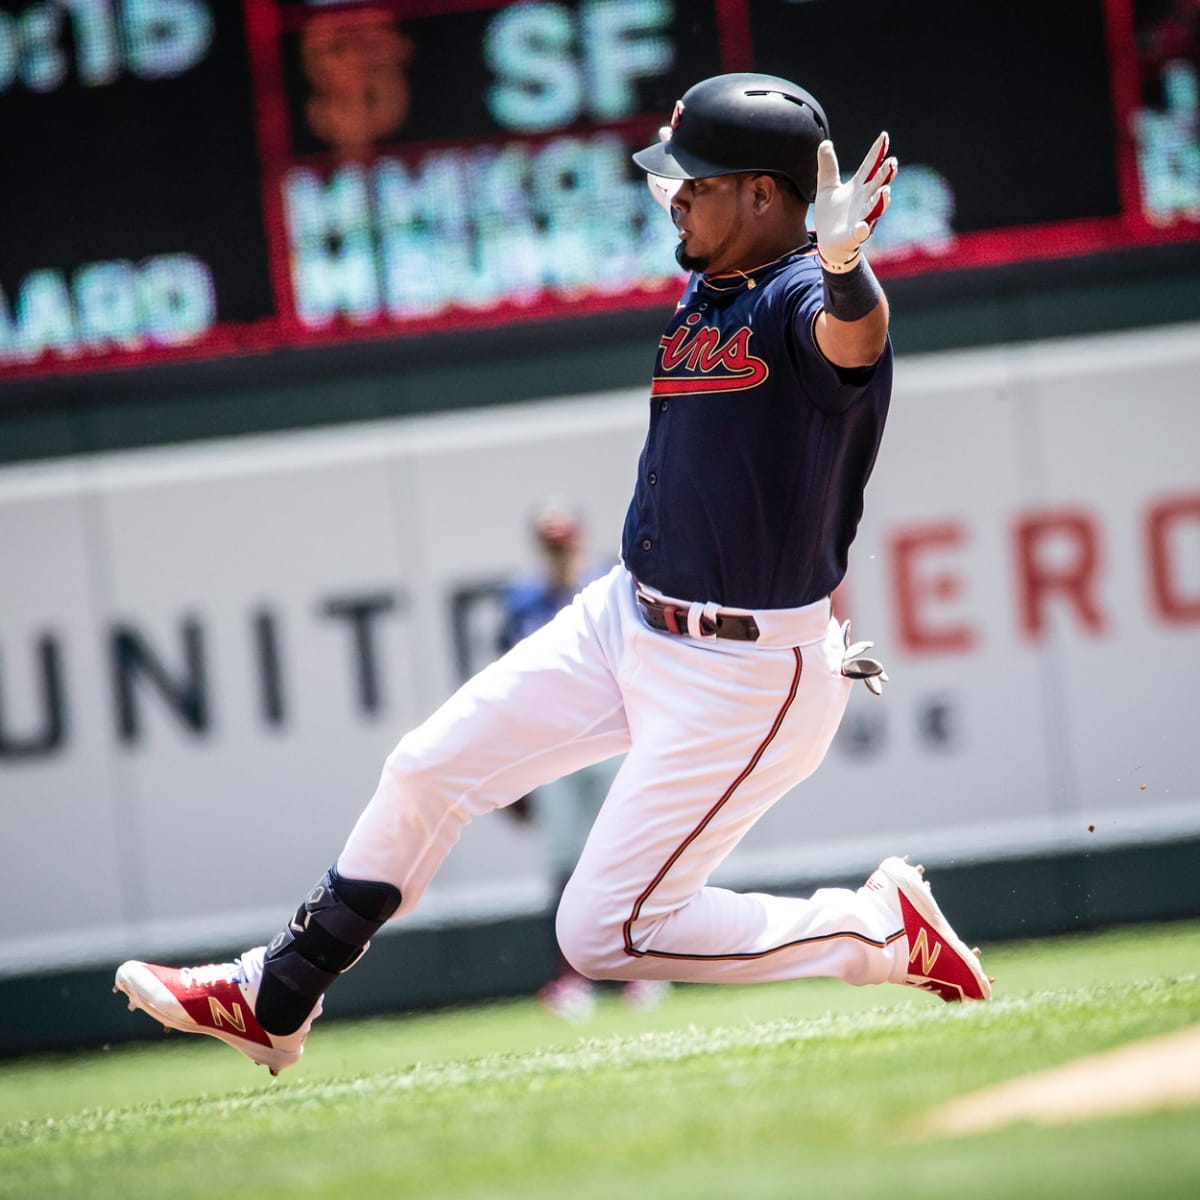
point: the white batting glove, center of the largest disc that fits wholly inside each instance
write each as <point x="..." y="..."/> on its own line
<point x="846" y="213"/>
<point x="856" y="665"/>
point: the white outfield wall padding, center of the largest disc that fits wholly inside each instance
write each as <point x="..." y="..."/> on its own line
<point x="207" y="651"/>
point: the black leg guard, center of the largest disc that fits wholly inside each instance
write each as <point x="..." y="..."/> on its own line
<point x="326" y="937"/>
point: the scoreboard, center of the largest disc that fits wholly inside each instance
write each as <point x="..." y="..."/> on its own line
<point x="191" y="178"/>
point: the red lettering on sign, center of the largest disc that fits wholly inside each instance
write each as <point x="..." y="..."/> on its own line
<point x="840" y="599"/>
<point x="1057" y="556"/>
<point x="917" y="592"/>
<point x="1166" y="595"/>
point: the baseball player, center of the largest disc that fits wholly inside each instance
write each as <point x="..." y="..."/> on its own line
<point x="709" y="656"/>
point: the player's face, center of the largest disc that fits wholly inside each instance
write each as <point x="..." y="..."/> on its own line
<point x="711" y="216"/>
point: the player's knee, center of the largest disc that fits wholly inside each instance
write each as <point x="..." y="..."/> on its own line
<point x="590" y="942"/>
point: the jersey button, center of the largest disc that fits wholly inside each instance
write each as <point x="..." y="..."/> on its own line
<point x="664" y="405"/>
<point x="647" y="544"/>
<point x="652" y="477"/>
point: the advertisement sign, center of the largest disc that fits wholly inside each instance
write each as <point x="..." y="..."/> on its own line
<point x="207" y="652"/>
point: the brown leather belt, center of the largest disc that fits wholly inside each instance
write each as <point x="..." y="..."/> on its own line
<point x="673" y="618"/>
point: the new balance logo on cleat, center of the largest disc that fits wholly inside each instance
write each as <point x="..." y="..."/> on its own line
<point x="921" y="948"/>
<point x="235" y="1019"/>
<point x="217" y="1000"/>
<point x="938" y="961"/>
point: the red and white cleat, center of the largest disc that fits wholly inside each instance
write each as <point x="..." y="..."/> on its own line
<point x="218" y="1000"/>
<point x="938" y="961"/>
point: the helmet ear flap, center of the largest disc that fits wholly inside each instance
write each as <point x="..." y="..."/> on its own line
<point x="663" y="190"/>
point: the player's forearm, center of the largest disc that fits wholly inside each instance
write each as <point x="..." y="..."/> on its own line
<point x="854" y="343"/>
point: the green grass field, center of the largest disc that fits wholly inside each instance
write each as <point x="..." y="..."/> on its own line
<point x="790" y="1090"/>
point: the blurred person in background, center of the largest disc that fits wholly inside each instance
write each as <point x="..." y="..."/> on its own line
<point x="564" y="809"/>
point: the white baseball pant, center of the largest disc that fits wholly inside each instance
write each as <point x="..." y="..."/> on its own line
<point x="715" y="732"/>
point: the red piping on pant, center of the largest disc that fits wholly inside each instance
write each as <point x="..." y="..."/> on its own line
<point x="632" y="950"/>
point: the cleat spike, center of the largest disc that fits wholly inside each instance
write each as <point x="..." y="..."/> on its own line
<point x="132" y="1006"/>
<point x="976" y="951"/>
<point x="991" y="979"/>
<point x="919" y="869"/>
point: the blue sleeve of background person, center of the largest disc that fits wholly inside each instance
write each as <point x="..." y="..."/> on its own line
<point x="526" y="608"/>
<point x="831" y="388"/>
<point x="531" y="603"/>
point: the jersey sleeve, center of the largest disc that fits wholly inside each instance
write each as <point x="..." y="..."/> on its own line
<point x="830" y="387"/>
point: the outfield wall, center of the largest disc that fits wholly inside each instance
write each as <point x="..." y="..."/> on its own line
<point x="206" y="652"/>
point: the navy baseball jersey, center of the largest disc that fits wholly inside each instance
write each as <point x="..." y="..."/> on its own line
<point x="750" y="484"/>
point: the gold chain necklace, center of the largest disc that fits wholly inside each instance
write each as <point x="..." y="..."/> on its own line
<point x="745" y="275"/>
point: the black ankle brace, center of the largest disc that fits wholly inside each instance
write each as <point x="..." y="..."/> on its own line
<point x="326" y="937"/>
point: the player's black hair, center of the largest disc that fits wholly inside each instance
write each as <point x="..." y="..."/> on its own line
<point x="788" y="187"/>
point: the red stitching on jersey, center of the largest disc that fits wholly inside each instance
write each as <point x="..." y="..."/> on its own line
<point x="630" y="949"/>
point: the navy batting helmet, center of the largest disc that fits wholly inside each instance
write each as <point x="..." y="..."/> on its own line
<point x="743" y="122"/>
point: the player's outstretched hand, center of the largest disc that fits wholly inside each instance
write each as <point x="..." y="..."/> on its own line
<point x="846" y="212"/>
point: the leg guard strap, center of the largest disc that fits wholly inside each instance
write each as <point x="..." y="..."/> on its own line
<point x="326" y="937"/>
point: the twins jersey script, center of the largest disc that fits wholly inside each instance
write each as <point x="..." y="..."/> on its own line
<point x="749" y="489"/>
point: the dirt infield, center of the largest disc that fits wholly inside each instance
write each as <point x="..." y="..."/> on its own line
<point x="1160" y="1072"/>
